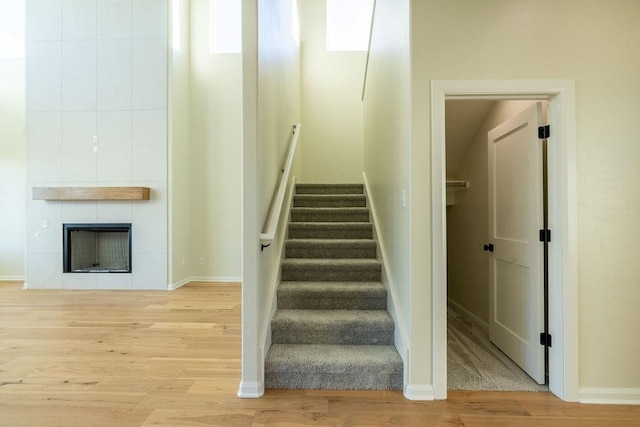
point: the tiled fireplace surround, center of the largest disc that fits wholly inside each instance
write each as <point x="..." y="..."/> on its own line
<point x="97" y="116"/>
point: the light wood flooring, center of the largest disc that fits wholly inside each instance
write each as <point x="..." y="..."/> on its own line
<point x="130" y="358"/>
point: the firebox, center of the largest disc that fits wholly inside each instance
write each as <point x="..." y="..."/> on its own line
<point x="96" y="248"/>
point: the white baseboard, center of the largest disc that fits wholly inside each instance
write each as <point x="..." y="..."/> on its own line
<point x="250" y="390"/>
<point x="609" y="396"/>
<point x="419" y="392"/>
<point x="11" y="278"/>
<point x="174" y="286"/>
<point x="216" y="279"/>
<point x="469" y="315"/>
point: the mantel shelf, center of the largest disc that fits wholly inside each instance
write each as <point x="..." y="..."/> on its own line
<point x="91" y="193"/>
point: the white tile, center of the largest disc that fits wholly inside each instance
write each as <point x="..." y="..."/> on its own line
<point x="149" y="222"/>
<point x="80" y="281"/>
<point x="79" y="75"/>
<point x="114" y="143"/>
<point x="78" y="158"/>
<point x="43" y="239"/>
<point x="114" y="19"/>
<point x="44" y="20"/>
<point x="44" y="76"/>
<point x="114" y="211"/>
<point x="149" y="74"/>
<point x="79" y="212"/>
<point x="149" y="145"/>
<point x="114" y="74"/>
<point x="114" y="281"/>
<point x="44" y="146"/>
<point x="149" y="271"/>
<point x="149" y="19"/>
<point x="79" y="19"/>
<point x="44" y="271"/>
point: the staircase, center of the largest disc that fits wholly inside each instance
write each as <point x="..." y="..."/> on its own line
<point x="331" y="329"/>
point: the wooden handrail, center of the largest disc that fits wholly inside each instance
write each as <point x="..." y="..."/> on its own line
<point x="271" y="225"/>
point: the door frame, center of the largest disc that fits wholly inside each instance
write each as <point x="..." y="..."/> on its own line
<point x="562" y="211"/>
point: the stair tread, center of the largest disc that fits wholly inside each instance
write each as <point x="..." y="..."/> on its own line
<point x="330" y="208"/>
<point x="325" y="224"/>
<point x="326" y="287"/>
<point x="365" y="262"/>
<point x="287" y="319"/>
<point x="331" y="196"/>
<point x="333" y="358"/>
<point x="360" y="243"/>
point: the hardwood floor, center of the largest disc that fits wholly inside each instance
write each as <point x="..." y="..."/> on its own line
<point x="130" y="358"/>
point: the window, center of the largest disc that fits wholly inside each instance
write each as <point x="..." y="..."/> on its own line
<point x="225" y="26"/>
<point x="176" y="28"/>
<point x="348" y="24"/>
<point x="295" y="29"/>
<point x="12" y="29"/>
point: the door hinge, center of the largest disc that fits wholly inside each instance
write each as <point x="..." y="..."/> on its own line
<point x="544" y="132"/>
<point x="545" y="235"/>
<point x="545" y="339"/>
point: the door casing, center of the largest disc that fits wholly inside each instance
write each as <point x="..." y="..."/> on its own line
<point x="562" y="211"/>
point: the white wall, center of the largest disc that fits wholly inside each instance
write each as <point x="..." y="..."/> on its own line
<point x="12" y="168"/>
<point x="271" y="105"/>
<point x="215" y="155"/>
<point x="467" y="220"/>
<point x="595" y="44"/>
<point x="387" y="154"/>
<point x="332" y="148"/>
<point x="97" y="68"/>
<point x="180" y="260"/>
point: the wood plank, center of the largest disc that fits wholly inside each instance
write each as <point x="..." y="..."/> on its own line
<point x="131" y="358"/>
<point x="91" y="193"/>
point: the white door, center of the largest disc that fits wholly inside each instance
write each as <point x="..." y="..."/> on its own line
<point x="516" y="311"/>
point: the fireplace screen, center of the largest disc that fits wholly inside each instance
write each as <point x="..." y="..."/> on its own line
<point x="97" y="248"/>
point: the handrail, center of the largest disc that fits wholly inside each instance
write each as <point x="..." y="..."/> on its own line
<point x="366" y="64"/>
<point x="271" y="225"/>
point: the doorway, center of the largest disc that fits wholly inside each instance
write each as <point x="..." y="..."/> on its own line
<point x="493" y="324"/>
<point x="560" y="94"/>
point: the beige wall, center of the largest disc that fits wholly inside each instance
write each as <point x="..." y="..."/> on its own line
<point x="594" y="43"/>
<point x="271" y="105"/>
<point x="467" y="220"/>
<point x="387" y="150"/>
<point x="278" y="109"/>
<point x="12" y="168"/>
<point x="331" y="103"/>
<point x="180" y="261"/>
<point x="215" y="155"/>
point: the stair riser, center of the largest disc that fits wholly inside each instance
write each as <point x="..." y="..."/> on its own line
<point x="346" y="336"/>
<point x="329" y="217"/>
<point x="329" y="233"/>
<point x="310" y="201"/>
<point x="335" y="253"/>
<point x="332" y="303"/>
<point x="330" y="274"/>
<point x="329" y="189"/>
<point x="334" y="381"/>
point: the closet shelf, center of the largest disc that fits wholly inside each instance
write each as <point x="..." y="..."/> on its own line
<point x="453" y="185"/>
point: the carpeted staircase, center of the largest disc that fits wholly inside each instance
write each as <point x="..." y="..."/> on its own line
<point x="331" y="329"/>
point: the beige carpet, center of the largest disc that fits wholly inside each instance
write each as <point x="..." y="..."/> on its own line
<point x="474" y="363"/>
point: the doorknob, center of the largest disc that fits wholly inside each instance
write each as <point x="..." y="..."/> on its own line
<point x="488" y="247"/>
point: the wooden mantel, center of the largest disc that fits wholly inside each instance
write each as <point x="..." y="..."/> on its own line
<point x="91" y="193"/>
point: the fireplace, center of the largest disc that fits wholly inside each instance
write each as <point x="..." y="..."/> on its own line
<point x="96" y="248"/>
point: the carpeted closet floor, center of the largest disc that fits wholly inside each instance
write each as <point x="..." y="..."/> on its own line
<point x="474" y="363"/>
